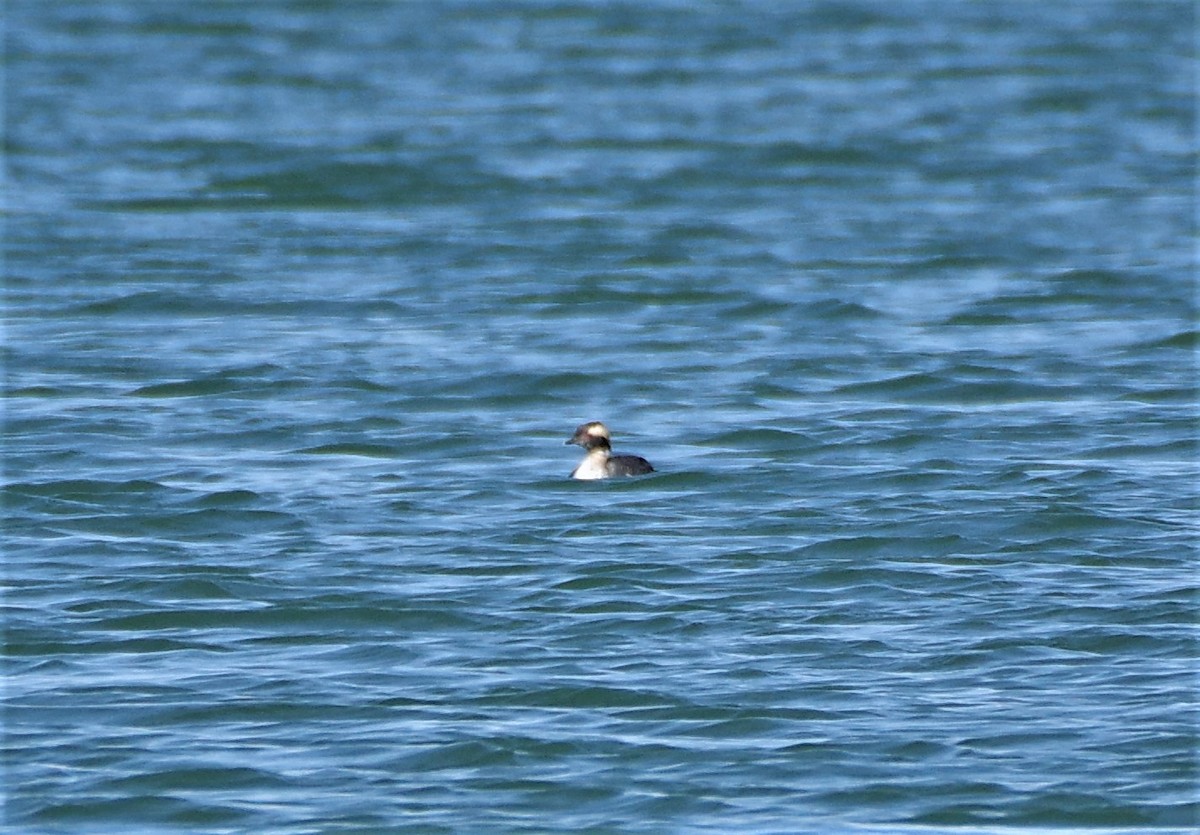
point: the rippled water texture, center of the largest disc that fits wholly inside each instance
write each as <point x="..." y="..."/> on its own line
<point x="302" y="300"/>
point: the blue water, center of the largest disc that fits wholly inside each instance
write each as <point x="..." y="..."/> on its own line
<point x="302" y="299"/>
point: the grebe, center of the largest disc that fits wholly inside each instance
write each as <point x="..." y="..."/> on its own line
<point x="599" y="461"/>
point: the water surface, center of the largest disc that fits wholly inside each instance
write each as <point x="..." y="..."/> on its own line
<point x="302" y="300"/>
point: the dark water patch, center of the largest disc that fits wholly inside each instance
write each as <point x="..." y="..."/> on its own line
<point x="20" y="644"/>
<point x="313" y="183"/>
<point x="983" y="318"/>
<point x="39" y="392"/>
<point x="209" y="524"/>
<point x="760" y="440"/>
<point x="703" y="230"/>
<point x="618" y="295"/>
<point x="908" y="384"/>
<point x="839" y="310"/>
<point x="201" y="587"/>
<point x="576" y="697"/>
<point x="82" y="492"/>
<point x="199" y="307"/>
<point x="146" y="302"/>
<point x="260" y="380"/>
<point x="229" y="499"/>
<point x="352" y="449"/>
<point x="459" y="755"/>
<point x="99" y="604"/>
<point x="952" y="389"/>
<point x="398" y="619"/>
<point x="806" y="155"/>
<point x="162" y="809"/>
<point x="1174" y="395"/>
<point x="1188" y="340"/>
<point x="846" y="546"/>
<point x="1033" y="307"/>
<point x="1060" y="809"/>
<point x="1178" y="450"/>
<point x="192" y="778"/>
<point x="365" y="385"/>
<point x="1098" y="640"/>
<point x="1076" y="283"/>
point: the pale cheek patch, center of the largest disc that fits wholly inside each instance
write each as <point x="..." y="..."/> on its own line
<point x="597" y="430"/>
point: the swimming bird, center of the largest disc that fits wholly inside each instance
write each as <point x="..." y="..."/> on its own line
<point x="599" y="461"/>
